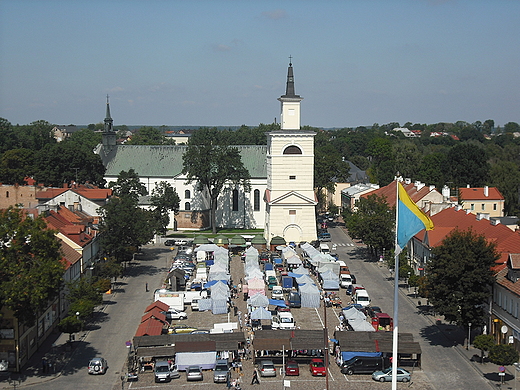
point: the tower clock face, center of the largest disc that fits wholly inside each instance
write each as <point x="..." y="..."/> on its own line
<point x="290" y="79"/>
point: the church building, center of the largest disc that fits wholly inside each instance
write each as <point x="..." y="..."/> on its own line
<point x="281" y="200"/>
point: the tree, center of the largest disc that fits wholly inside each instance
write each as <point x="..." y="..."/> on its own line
<point x="70" y="324"/>
<point x="329" y="168"/>
<point x="16" y="165"/>
<point x="147" y="135"/>
<point x="459" y="277"/>
<point x="164" y="199"/>
<point x="484" y="342"/>
<point x="211" y="165"/>
<point x="503" y="354"/>
<point x="373" y="222"/>
<point x="31" y="267"/>
<point x="67" y="162"/>
<point x="124" y="225"/>
<point x="467" y="164"/>
<point x="505" y="175"/>
<point x="407" y="158"/>
<point x="431" y="169"/>
<point x="83" y="296"/>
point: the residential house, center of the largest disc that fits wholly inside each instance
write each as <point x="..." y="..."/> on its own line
<point x="349" y="196"/>
<point x="482" y="200"/>
<point x="61" y="133"/>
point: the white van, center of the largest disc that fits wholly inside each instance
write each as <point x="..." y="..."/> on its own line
<point x="324" y="248"/>
<point x="345" y="280"/>
<point x="361" y="297"/>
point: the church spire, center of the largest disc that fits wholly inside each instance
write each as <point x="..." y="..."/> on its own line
<point x="109" y="123"/>
<point x="289" y="89"/>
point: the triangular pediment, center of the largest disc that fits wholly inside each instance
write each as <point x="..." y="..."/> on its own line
<point x="293" y="198"/>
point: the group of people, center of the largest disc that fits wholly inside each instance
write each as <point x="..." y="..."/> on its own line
<point x="332" y="299"/>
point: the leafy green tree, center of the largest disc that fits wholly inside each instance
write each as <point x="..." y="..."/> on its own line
<point x="35" y="136"/>
<point x="85" y="138"/>
<point x="67" y="162"/>
<point x="382" y="170"/>
<point x="70" y="324"/>
<point x="459" y="277"/>
<point x="124" y="225"/>
<point x="8" y="138"/>
<point x="148" y="135"/>
<point x="511" y="127"/>
<point x="211" y="165"/>
<point x="407" y="158"/>
<point x="373" y="222"/>
<point x="505" y="175"/>
<point x="109" y="269"/>
<point x="329" y="168"/>
<point x="31" y="267"/>
<point x="488" y="125"/>
<point x="484" y="342"/>
<point x="503" y="354"/>
<point x="467" y="164"/>
<point x="16" y="165"/>
<point x="83" y="296"/>
<point x="164" y="199"/>
<point x="431" y="169"/>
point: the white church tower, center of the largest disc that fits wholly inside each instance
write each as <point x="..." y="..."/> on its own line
<point x="290" y="199"/>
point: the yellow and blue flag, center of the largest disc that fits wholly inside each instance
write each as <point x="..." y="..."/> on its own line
<point x="410" y="219"/>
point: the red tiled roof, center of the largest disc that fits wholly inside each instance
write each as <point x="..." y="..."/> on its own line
<point x="71" y="255"/>
<point x="151" y="327"/>
<point x="390" y="192"/>
<point x="154" y="313"/>
<point x="50" y="193"/>
<point x="506" y="240"/>
<point x="76" y="233"/>
<point x="501" y="279"/>
<point x="515" y="260"/>
<point x="161" y="305"/>
<point x="478" y="194"/>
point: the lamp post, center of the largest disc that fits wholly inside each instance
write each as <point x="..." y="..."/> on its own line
<point x="517" y="368"/>
<point x="469" y="335"/>
<point x="408" y="281"/>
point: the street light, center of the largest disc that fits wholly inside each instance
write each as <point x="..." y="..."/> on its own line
<point x="517" y="368"/>
<point x="408" y="281"/>
<point x="469" y="335"/>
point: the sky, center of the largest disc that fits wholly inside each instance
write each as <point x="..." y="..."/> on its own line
<point x="224" y="62"/>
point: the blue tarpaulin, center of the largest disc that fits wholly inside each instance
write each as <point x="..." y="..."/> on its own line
<point x="277" y="302"/>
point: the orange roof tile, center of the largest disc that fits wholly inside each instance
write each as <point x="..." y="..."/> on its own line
<point x="161" y="305"/>
<point x="478" y="194"/>
<point x="151" y="327"/>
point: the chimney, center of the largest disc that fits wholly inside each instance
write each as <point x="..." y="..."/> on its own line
<point x="446" y="192"/>
<point x="467" y="186"/>
<point x="432" y="187"/>
<point x="407" y="180"/>
<point x="486" y="191"/>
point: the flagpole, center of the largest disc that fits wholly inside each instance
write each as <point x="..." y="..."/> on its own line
<point x="396" y="292"/>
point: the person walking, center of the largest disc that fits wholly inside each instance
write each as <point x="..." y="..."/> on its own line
<point x="255" y="380"/>
<point x="146" y="287"/>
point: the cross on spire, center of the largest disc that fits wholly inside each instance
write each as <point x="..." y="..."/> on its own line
<point x="290" y="60"/>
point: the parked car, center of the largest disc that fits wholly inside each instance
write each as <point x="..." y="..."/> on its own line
<point x="317" y="367"/>
<point x="372" y="310"/>
<point x="294" y="299"/>
<point x="386" y="375"/>
<point x="266" y="368"/>
<point x="164" y="372"/>
<point x="363" y="365"/>
<point x="292" y="368"/>
<point x="169" y="242"/>
<point x="173" y="314"/>
<point x="194" y="373"/>
<point x="181" y="241"/>
<point x="221" y="373"/>
<point x="97" y="365"/>
<point x="277" y="292"/>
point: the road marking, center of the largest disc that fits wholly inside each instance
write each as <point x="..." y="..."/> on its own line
<point x="319" y="317"/>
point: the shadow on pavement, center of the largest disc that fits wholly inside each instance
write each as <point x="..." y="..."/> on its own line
<point x="493" y="376"/>
<point x="443" y="335"/>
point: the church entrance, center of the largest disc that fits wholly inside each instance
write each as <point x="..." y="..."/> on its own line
<point x="292" y="233"/>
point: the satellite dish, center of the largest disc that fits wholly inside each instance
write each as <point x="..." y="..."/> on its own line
<point x="503" y="329"/>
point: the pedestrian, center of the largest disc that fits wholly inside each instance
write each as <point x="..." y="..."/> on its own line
<point x="146" y="286"/>
<point x="44" y="364"/>
<point x="255" y="380"/>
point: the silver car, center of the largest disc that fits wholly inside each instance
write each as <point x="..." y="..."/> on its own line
<point x="194" y="373"/>
<point x="97" y="365"/>
<point x="386" y="375"/>
<point x="266" y="368"/>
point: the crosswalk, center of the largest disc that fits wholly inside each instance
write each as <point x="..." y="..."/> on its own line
<point x="343" y="244"/>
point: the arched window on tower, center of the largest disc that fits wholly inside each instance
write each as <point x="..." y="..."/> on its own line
<point x="235" y="200"/>
<point x="187" y="194"/>
<point x="256" y="200"/>
<point x="187" y="206"/>
<point x="292" y="150"/>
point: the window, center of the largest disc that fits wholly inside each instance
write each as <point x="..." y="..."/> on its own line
<point x="483" y="206"/>
<point x="256" y="200"/>
<point x="187" y="194"/>
<point x="187" y="206"/>
<point x="292" y="177"/>
<point x="7" y="194"/>
<point x="292" y="150"/>
<point x="235" y="200"/>
<point x="494" y="207"/>
<point x="292" y="212"/>
<point x="472" y="207"/>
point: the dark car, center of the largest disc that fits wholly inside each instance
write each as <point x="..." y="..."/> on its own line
<point x="292" y="368"/>
<point x="353" y="277"/>
<point x="372" y="310"/>
<point x="363" y="365"/>
<point x="294" y="299"/>
<point x="169" y="242"/>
